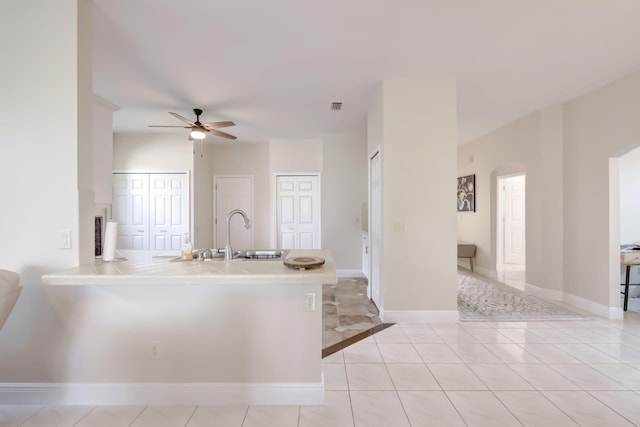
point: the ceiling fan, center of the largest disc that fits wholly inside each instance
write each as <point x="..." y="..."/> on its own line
<point x="200" y="130"/>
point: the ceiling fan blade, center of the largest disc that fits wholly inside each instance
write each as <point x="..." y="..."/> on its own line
<point x="222" y="134"/>
<point x="178" y="116"/>
<point x="215" y="125"/>
<point x="163" y="126"/>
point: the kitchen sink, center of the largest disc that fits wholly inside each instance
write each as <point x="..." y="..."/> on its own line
<point x="265" y="254"/>
<point x="245" y="255"/>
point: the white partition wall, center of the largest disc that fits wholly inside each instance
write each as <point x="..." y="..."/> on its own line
<point x="414" y="121"/>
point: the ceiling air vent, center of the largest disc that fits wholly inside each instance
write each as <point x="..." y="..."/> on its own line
<point x="336" y="106"/>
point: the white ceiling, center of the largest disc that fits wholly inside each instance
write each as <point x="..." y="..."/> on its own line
<point x="275" y="66"/>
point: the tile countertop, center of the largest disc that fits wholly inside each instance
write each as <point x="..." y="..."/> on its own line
<point x="157" y="268"/>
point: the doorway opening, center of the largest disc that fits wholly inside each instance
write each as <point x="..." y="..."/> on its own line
<point x="629" y="228"/>
<point x="375" y="230"/>
<point x="511" y="230"/>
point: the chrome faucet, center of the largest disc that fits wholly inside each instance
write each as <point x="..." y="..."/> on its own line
<point x="228" y="252"/>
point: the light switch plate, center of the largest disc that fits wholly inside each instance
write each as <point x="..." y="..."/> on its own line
<point x="64" y="239"/>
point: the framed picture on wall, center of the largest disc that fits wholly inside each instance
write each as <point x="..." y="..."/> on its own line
<point x="466" y="193"/>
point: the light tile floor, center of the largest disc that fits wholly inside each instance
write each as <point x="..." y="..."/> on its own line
<point x="562" y="373"/>
<point x="554" y="373"/>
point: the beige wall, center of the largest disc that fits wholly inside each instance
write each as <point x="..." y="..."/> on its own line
<point x="152" y="152"/>
<point x="599" y="125"/>
<point x="202" y="195"/>
<point x="249" y="159"/>
<point x="295" y="156"/>
<point x="414" y="121"/>
<point x="102" y="149"/>
<point x="47" y="171"/>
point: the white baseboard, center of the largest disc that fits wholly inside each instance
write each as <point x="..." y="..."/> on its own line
<point x="350" y="273"/>
<point x="539" y="292"/>
<point x="420" y="316"/>
<point x="613" y="313"/>
<point x="162" y="394"/>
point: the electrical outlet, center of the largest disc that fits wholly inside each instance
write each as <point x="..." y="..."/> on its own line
<point x="400" y="226"/>
<point x="310" y="302"/>
<point x="155" y="350"/>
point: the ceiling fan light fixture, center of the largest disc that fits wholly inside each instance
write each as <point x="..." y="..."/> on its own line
<point x="197" y="133"/>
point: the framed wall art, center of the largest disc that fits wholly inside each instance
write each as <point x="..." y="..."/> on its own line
<point x="466" y="193"/>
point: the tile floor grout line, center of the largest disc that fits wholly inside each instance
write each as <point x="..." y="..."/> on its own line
<point x="557" y="406"/>
<point x="605" y="404"/>
<point x="191" y="416"/>
<point x="144" y="408"/>
<point x="32" y="415"/>
<point x="85" y="416"/>
<point x="244" y="418"/>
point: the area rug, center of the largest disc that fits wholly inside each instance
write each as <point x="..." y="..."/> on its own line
<point x="482" y="300"/>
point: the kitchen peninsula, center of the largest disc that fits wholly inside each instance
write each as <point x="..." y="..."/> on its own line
<point x="152" y="330"/>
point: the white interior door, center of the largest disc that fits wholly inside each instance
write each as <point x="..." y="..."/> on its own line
<point x="298" y="212"/>
<point x="131" y="210"/>
<point x="233" y="192"/>
<point x="169" y="210"/>
<point x="513" y="216"/>
<point x="375" y="230"/>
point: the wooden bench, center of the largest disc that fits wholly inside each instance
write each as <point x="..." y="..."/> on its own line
<point x="467" y="250"/>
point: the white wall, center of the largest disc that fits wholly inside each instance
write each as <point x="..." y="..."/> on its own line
<point x="152" y="152"/>
<point x="418" y="125"/>
<point x="344" y="189"/>
<point x="202" y="195"/>
<point x="46" y="189"/>
<point x="102" y="149"/>
<point x="295" y="156"/>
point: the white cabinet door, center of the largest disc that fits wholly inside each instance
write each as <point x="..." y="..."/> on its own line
<point x="298" y="212"/>
<point x="233" y="192"/>
<point x="169" y="210"/>
<point x="152" y="210"/>
<point x="131" y="210"/>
